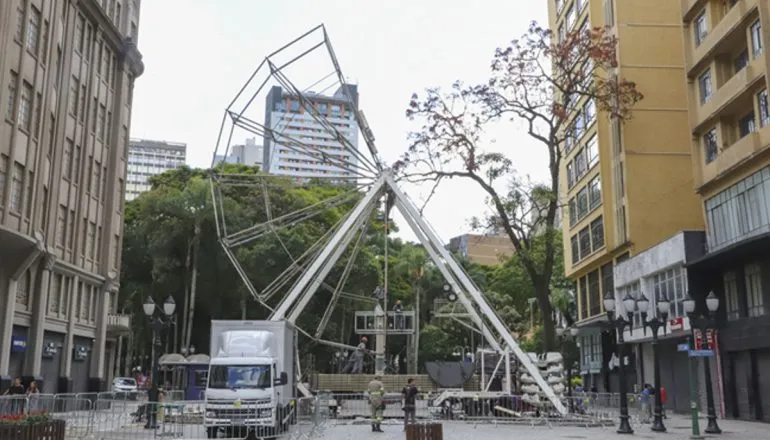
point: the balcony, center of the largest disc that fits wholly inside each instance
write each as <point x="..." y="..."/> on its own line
<point x="730" y="23"/>
<point x="689" y="8"/>
<point x="734" y="155"/>
<point x="118" y="324"/>
<point x="727" y="94"/>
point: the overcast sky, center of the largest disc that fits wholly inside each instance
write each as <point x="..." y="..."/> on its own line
<point x="198" y="53"/>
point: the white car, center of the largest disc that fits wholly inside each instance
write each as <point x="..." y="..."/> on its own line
<point x="124" y="385"/>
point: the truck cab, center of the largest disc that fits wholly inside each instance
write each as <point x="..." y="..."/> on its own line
<point x="248" y="388"/>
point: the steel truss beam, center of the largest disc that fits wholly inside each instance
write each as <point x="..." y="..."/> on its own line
<point x="468" y="293"/>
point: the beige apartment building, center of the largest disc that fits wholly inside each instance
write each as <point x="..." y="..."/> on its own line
<point x="482" y="249"/>
<point x="67" y="72"/>
<point x="726" y="75"/>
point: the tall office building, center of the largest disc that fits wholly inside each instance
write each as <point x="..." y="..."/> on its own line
<point x="285" y="114"/>
<point x="628" y="186"/>
<point x="248" y="153"/>
<point x="148" y="158"/>
<point x="67" y="72"/>
<point x="726" y="69"/>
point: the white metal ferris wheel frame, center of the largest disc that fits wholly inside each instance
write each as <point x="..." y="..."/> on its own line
<point x="313" y="275"/>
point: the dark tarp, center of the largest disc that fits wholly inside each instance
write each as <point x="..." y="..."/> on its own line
<point x="449" y="374"/>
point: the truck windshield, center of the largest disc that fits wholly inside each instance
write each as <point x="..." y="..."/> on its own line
<point x="240" y="376"/>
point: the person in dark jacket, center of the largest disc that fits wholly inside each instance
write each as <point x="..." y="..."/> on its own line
<point x="409" y="400"/>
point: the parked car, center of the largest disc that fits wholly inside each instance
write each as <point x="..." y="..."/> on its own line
<point x="125" y="386"/>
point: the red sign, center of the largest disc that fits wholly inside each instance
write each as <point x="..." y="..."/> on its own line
<point x="699" y="340"/>
<point x="676" y="324"/>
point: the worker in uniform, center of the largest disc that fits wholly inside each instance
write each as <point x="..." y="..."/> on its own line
<point x="376" y="402"/>
<point x="355" y="364"/>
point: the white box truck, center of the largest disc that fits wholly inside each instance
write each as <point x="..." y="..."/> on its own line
<point x="252" y="378"/>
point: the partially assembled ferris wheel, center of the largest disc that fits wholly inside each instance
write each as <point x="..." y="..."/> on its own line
<point x="310" y="125"/>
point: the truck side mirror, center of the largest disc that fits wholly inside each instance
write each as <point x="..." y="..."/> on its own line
<point x="283" y="379"/>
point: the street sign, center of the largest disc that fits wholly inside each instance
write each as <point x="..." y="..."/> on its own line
<point x="701" y="353"/>
<point x="683" y="347"/>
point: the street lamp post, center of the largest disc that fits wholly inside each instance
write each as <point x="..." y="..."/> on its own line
<point x="704" y="324"/>
<point x="159" y="323"/>
<point x="655" y="323"/>
<point x="619" y="323"/>
<point x="567" y="335"/>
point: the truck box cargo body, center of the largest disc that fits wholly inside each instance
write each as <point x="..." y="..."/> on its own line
<point x="252" y="376"/>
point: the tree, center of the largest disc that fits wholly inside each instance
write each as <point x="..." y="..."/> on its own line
<point x="535" y="82"/>
<point x="411" y="264"/>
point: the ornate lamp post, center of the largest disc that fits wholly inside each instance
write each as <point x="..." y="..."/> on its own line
<point x="704" y="324"/>
<point x="619" y="323"/>
<point x="159" y="323"/>
<point x="656" y="323"/>
<point x="567" y="334"/>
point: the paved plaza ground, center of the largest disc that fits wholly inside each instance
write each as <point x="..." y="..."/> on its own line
<point x="678" y="428"/>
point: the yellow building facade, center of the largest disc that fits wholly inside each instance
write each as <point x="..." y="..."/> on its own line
<point x="627" y="186"/>
<point x="726" y="75"/>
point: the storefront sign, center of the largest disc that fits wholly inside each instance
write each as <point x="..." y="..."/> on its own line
<point x="676" y="324"/>
<point x="18" y="344"/>
<point x="50" y="350"/>
<point x="81" y="353"/>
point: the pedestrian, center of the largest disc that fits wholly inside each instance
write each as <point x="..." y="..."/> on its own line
<point x="33" y="395"/>
<point x="16" y="391"/>
<point x="358" y="356"/>
<point x="646" y="399"/>
<point x="398" y="311"/>
<point x="376" y="402"/>
<point x="410" y="402"/>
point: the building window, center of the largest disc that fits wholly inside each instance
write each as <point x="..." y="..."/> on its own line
<point x="61" y="226"/>
<point x="597" y="234"/>
<point x="22" y="290"/>
<point x="746" y="125"/>
<point x="700" y="27"/>
<point x="11" y="94"/>
<point x="575" y="249"/>
<point x="17" y="188"/>
<point x="733" y="308"/>
<point x="592" y="151"/>
<point x="570" y="175"/>
<point x="582" y="202"/>
<point x="33" y="32"/>
<point x="3" y="175"/>
<point x="584" y="237"/>
<point x="756" y="39"/>
<point x="570" y="20"/>
<point x="25" y="107"/>
<point x="561" y="34"/>
<point x="704" y="86"/>
<point x="102" y="121"/>
<point x="608" y="279"/>
<point x="754" y="300"/>
<point x="710" y="148"/>
<point x="67" y="159"/>
<point x="583" y="284"/>
<point x="74" y="97"/>
<point x="595" y="192"/>
<point x="740" y="211"/>
<point x="581" y="167"/>
<point x="573" y="215"/>
<point x="19" y="35"/>
<point x="594" y="293"/>
<point x="670" y="284"/>
<point x="589" y="112"/>
<point x="764" y="114"/>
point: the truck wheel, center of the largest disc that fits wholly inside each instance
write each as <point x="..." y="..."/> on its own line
<point x="212" y="432"/>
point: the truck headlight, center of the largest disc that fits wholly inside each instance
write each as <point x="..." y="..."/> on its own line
<point x="211" y="414"/>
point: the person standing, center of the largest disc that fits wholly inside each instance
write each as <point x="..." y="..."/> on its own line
<point x="358" y="356"/>
<point x="409" y="394"/>
<point x="16" y="391"/>
<point x="398" y="312"/>
<point x="646" y="400"/>
<point x="376" y="402"/>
